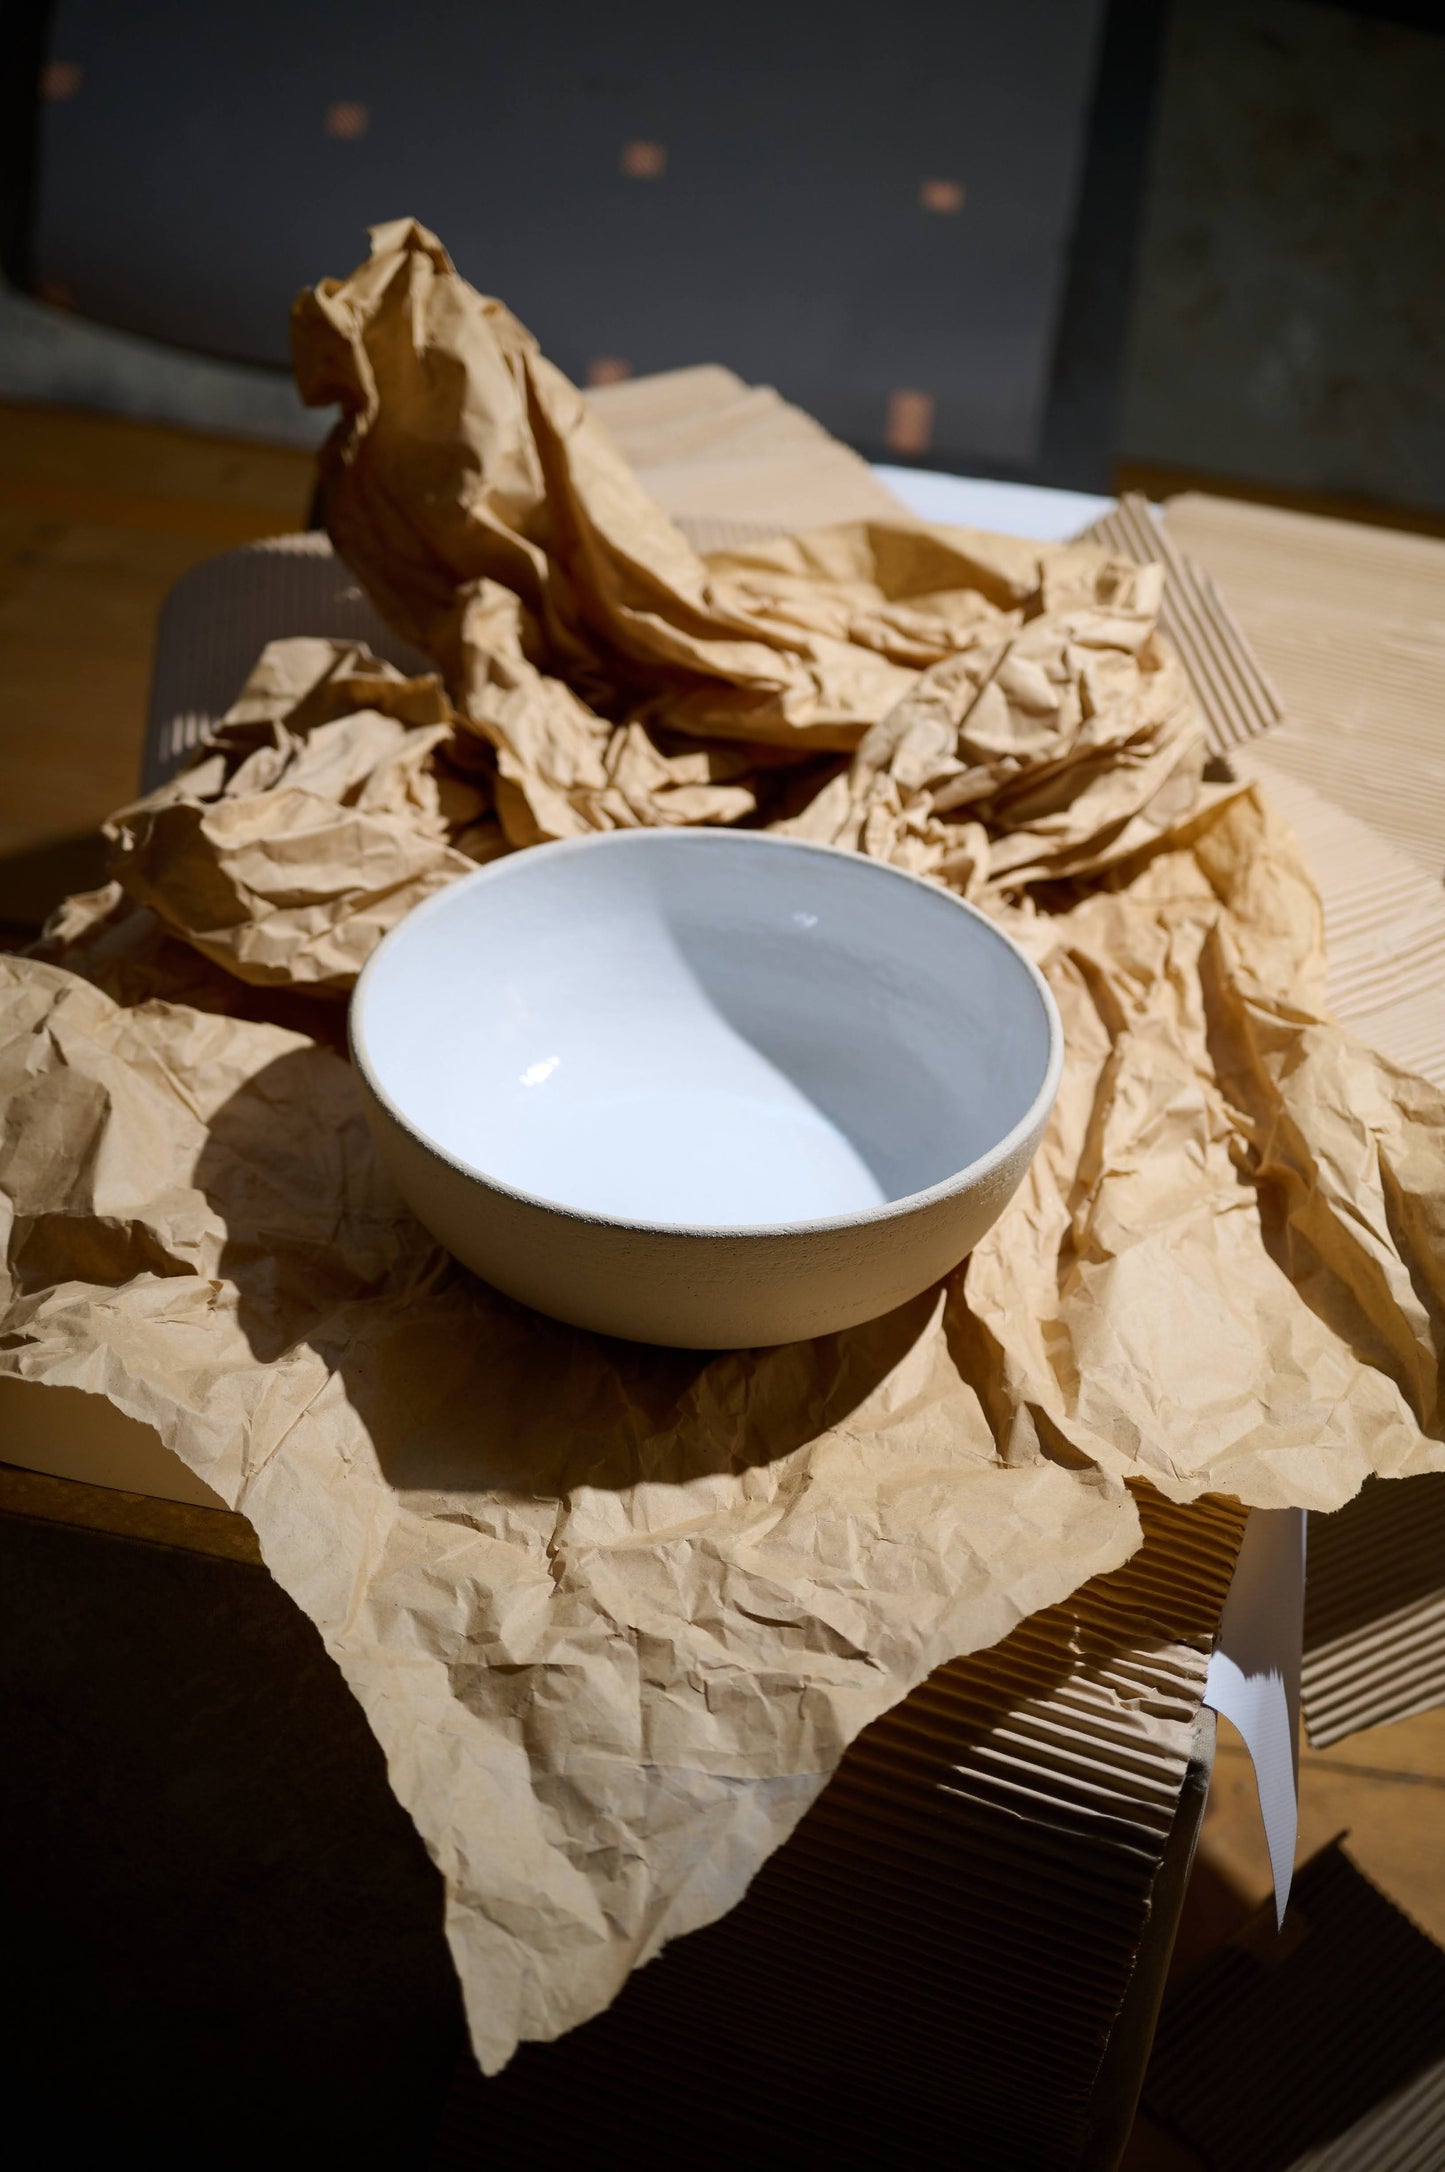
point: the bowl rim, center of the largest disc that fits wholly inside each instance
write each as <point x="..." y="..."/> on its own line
<point x="888" y="1210"/>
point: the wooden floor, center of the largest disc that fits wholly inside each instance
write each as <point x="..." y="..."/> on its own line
<point x="97" y="518"/>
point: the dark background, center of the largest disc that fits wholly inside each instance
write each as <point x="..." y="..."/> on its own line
<point x="1061" y="239"/>
<point x="1200" y="240"/>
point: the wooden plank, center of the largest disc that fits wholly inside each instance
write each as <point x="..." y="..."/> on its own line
<point x="98" y="518"/>
<point x="43" y="1499"/>
<point x="112" y="461"/>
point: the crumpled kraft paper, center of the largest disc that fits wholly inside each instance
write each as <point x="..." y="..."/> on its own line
<point x="1226" y="1270"/>
<point x="614" y="1613"/>
<point x="336" y="795"/>
<point x="497" y="527"/>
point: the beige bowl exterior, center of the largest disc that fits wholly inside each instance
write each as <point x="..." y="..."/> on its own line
<point x="698" y="1289"/>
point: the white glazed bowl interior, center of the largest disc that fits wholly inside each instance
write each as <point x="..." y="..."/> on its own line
<point x="706" y="1031"/>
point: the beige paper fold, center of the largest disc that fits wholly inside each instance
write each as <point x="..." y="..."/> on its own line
<point x="615" y="1613"/>
<point x="497" y="526"/>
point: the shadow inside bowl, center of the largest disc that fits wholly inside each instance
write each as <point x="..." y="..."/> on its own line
<point x="714" y="1031"/>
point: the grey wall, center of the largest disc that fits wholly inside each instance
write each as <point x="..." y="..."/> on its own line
<point x="1288" y="321"/>
<point x="869" y="206"/>
<point x="1289" y="308"/>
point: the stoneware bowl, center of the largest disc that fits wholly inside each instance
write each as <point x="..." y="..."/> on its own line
<point x="704" y="1087"/>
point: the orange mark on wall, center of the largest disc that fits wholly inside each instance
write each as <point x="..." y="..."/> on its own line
<point x="944" y="196"/>
<point x="644" y="161"/>
<point x="347" y="119"/>
<point x="909" y="426"/>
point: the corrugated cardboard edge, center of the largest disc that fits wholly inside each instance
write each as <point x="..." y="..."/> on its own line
<point x="1236" y="698"/>
<point x="1405" y="2132"/>
<point x="1375" y="1609"/>
<point x="218" y="617"/>
<point x="1349" y="621"/>
<point x="942" y="1949"/>
<point x="1310" y="2047"/>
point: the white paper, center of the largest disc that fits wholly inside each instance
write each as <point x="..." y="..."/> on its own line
<point x="966" y="501"/>
<point x="1254" y="1675"/>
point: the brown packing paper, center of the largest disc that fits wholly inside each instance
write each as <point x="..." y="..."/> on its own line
<point x="549" y="547"/>
<point x="615" y="1614"/>
<point x="336" y="796"/>
<point x="560" y="600"/>
<point x="941" y="1951"/>
<point x="1348" y="617"/>
<point x="714" y="450"/>
<point x="1242" y="1166"/>
<point x="1384" y="923"/>
<point x="1348" y="621"/>
<point x="1374" y="1638"/>
<point x="999" y="1833"/>
<point x="1370" y="1651"/>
